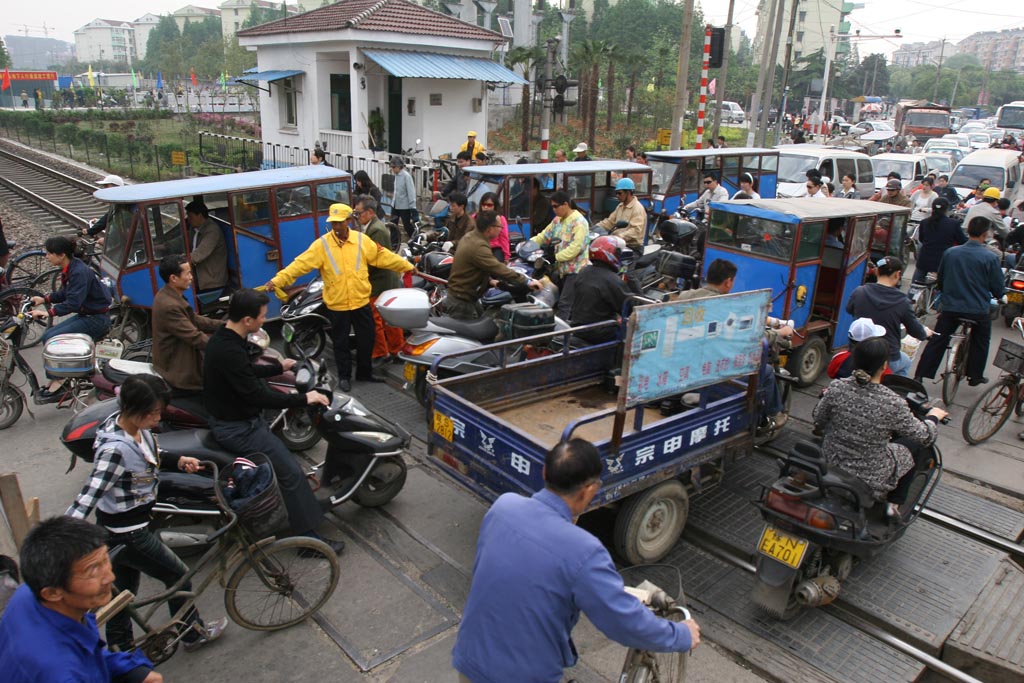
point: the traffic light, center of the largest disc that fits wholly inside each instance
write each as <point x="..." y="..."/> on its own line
<point x="562" y="84"/>
<point x="718" y="48"/>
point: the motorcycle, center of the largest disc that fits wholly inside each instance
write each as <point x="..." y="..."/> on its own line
<point x="1014" y="296"/>
<point x="306" y="314"/>
<point x="820" y="520"/>
<point x="363" y="463"/>
<point x="672" y="267"/>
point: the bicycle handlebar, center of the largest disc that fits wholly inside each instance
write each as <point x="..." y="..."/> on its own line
<point x="222" y="503"/>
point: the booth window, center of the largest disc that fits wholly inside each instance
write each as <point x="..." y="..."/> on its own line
<point x="289" y="117"/>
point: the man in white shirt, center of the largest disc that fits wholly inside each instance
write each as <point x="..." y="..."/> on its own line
<point x="713" y="192"/>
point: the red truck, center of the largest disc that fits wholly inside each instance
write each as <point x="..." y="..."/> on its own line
<point x="922" y="119"/>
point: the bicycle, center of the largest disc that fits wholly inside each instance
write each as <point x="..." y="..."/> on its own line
<point x="990" y="412"/>
<point x="923" y="296"/>
<point x="283" y="582"/>
<point x="956" y="359"/>
<point x="644" y="666"/>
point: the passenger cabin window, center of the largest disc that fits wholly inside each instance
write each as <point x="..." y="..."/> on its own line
<point x="578" y="186"/>
<point x="862" y="232"/>
<point x="845" y="167"/>
<point x="865" y="173"/>
<point x="293" y="201"/>
<point x="896" y="235"/>
<point x="252" y="207"/>
<point x="731" y="169"/>
<point x="691" y="177"/>
<point x="166" y="232"/>
<point x="828" y="169"/>
<point x="811" y="237"/>
<point x="119" y="226"/>
<point x="331" y="193"/>
<point x="753" y="234"/>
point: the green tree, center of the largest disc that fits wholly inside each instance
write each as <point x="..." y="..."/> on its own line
<point x="5" y="56"/>
<point x="526" y="58"/>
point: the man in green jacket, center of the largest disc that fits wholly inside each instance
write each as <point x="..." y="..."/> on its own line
<point x="388" y="340"/>
<point x="474" y="267"/>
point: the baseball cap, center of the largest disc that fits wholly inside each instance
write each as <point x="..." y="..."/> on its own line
<point x="582" y="147"/>
<point x="471" y="134"/>
<point x="894" y="185"/>
<point x="865" y="328"/>
<point x="111" y="180"/>
<point x="339" y="212"/>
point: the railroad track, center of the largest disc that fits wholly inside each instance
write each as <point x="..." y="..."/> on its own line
<point x="60" y="202"/>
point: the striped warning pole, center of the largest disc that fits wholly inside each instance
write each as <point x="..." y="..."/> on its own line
<point x="702" y="108"/>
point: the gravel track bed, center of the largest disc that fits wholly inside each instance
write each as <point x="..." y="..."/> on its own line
<point x="23" y="229"/>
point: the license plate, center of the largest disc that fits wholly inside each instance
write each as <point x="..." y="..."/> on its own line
<point x="443" y="426"/>
<point x="409" y="372"/>
<point x="787" y="549"/>
<point x="1015" y="297"/>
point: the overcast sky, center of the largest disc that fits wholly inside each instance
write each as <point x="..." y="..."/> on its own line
<point x="919" y="20"/>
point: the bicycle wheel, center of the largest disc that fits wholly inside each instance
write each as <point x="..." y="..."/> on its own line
<point x="1018" y="407"/>
<point x="11" y="301"/>
<point x="642" y="666"/>
<point x="956" y="366"/>
<point x="25" y="267"/>
<point x="47" y="282"/>
<point x="990" y="412"/>
<point x="283" y="584"/>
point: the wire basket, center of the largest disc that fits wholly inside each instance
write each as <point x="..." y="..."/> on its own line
<point x="1010" y="357"/>
<point x="264" y="514"/>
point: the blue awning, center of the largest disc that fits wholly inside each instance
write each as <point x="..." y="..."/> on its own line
<point x="266" y="76"/>
<point x="436" y="65"/>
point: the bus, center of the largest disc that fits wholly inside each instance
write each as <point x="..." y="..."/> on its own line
<point x="1011" y="116"/>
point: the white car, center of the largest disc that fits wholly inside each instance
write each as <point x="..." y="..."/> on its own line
<point x="972" y="127"/>
<point x="979" y="139"/>
<point x="871" y="127"/>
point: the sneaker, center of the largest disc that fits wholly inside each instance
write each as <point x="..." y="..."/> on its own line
<point x="371" y="378"/>
<point x="344" y="385"/>
<point x="209" y="632"/>
<point x="973" y="382"/>
<point x="45" y="396"/>
<point x="336" y="546"/>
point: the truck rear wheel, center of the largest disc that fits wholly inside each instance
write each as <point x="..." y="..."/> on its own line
<point x="807" y="361"/>
<point x="649" y="523"/>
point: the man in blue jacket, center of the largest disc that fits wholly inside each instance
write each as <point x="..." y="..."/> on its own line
<point x="969" y="277"/>
<point x="47" y="632"/>
<point x="535" y="572"/>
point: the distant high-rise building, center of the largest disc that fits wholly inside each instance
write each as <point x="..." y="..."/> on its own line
<point x="234" y="13"/>
<point x="996" y="50"/>
<point x="143" y="25"/>
<point x="106" y="40"/>
<point x="30" y="52"/>
<point x="193" y="13"/>
<point x="811" y="30"/>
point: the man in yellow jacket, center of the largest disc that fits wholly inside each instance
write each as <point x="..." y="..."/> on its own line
<point x="344" y="257"/>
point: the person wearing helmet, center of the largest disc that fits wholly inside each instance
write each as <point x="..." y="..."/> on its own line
<point x="987" y="208"/>
<point x="629" y="211"/>
<point x="936" y="234"/>
<point x="600" y="291"/>
<point x="100" y="224"/>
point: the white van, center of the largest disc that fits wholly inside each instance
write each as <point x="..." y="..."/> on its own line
<point x="732" y="112"/>
<point x="833" y="162"/>
<point x="911" y="167"/>
<point x="1001" y="167"/>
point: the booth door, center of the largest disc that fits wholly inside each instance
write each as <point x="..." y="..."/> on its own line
<point x="256" y="241"/>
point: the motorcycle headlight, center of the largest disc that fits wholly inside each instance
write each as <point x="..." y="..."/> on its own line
<point x="311" y="308"/>
<point x="354" y="407"/>
<point x="380" y="437"/>
<point x="260" y="338"/>
<point x="315" y="286"/>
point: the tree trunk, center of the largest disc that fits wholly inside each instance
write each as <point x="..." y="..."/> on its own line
<point x="525" y="138"/>
<point x="629" y="97"/>
<point x="584" y="96"/>
<point x="594" y="91"/>
<point x="611" y="93"/>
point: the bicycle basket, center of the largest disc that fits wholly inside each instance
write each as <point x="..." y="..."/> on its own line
<point x="1010" y="357"/>
<point x="254" y="496"/>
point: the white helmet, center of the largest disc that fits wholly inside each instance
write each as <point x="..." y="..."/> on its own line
<point x="111" y="180"/>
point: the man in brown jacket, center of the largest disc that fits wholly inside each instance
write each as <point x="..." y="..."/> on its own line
<point x="179" y="334"/>
<point x="208" y="251"/>
<point x="473" y="268"/>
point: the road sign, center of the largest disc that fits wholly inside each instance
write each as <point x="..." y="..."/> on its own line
<point x="178" y="158"/>
<point x="664" y="136"/>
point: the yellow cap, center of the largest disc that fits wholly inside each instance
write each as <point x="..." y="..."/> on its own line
<point x="991" y="193"/>
<point x="471" y="134"/>
<point x="339" y="212"/>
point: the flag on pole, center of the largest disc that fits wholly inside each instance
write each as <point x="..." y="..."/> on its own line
<point x="135" y="81"/>
<point x="159" y="80"/>
<point x="711" y="86"/>
<point x="223" y="81"/>
<point x="92" y="81"/>
<point x="195" y="81"/>
<point x="6" y="82"/>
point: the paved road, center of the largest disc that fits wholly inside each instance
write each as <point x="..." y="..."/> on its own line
<point x="405" y="576"/>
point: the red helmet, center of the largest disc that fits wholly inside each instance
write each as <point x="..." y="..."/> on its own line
<point x="608" y="249"/>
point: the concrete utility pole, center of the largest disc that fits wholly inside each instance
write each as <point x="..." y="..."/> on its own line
<point x="566" y="18"/>
<point x="830" y="47"/>
<point x="769" y="67"/>
<point x="723" y="73"/>
<point x="545" y="112"/>
<point x="785" y="71"/>
<point x="679" y="109"/>
<point x="938" y="71"/>
<point x="755" y="106"/>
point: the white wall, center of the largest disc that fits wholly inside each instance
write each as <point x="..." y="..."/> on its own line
<point x="442" y="128"/>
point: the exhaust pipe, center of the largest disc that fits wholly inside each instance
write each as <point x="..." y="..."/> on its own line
<point x="821" y="590"/>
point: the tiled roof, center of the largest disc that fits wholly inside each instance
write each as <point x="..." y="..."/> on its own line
<point x="397" y="16"/>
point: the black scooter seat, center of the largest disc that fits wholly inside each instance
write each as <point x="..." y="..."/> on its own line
<point x="198" y="443"/>
<point x="117" y="370"/>
<point x="833" y="474"/>
<point x="484" y="329"/>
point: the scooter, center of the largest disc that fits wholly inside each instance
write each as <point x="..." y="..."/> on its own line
<point x="292" y="425"/>
<point x="364" y="461"/>
<point x="821" y="519"/>
<point x="306" y="313"/>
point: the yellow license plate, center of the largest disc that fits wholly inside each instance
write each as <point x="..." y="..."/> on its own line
<point x="409" y="372"/>
<point x="1015" y="297"/>
<point x="443" y="426"/>
<point x="782" y="547"/>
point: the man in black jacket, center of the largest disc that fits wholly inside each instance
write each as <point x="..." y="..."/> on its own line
<point x="600" y="292"/>
<point x="235" y="396"/>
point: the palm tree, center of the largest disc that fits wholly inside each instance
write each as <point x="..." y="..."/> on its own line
<point x="526" y="58"/>
<point x="601" y="52"/>
<point x="586" y="57"/>
<point x="635" y="67"/>
<point x="612" y="54"/>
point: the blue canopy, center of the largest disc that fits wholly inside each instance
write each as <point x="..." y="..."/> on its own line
<point x="404" y="64"/>
<point x="265" y="76"/>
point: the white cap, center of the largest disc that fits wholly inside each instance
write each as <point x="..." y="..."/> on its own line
<point x="111" y="180"/>
<point x="582" y="147"/>
<point x="865" y="328"/>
